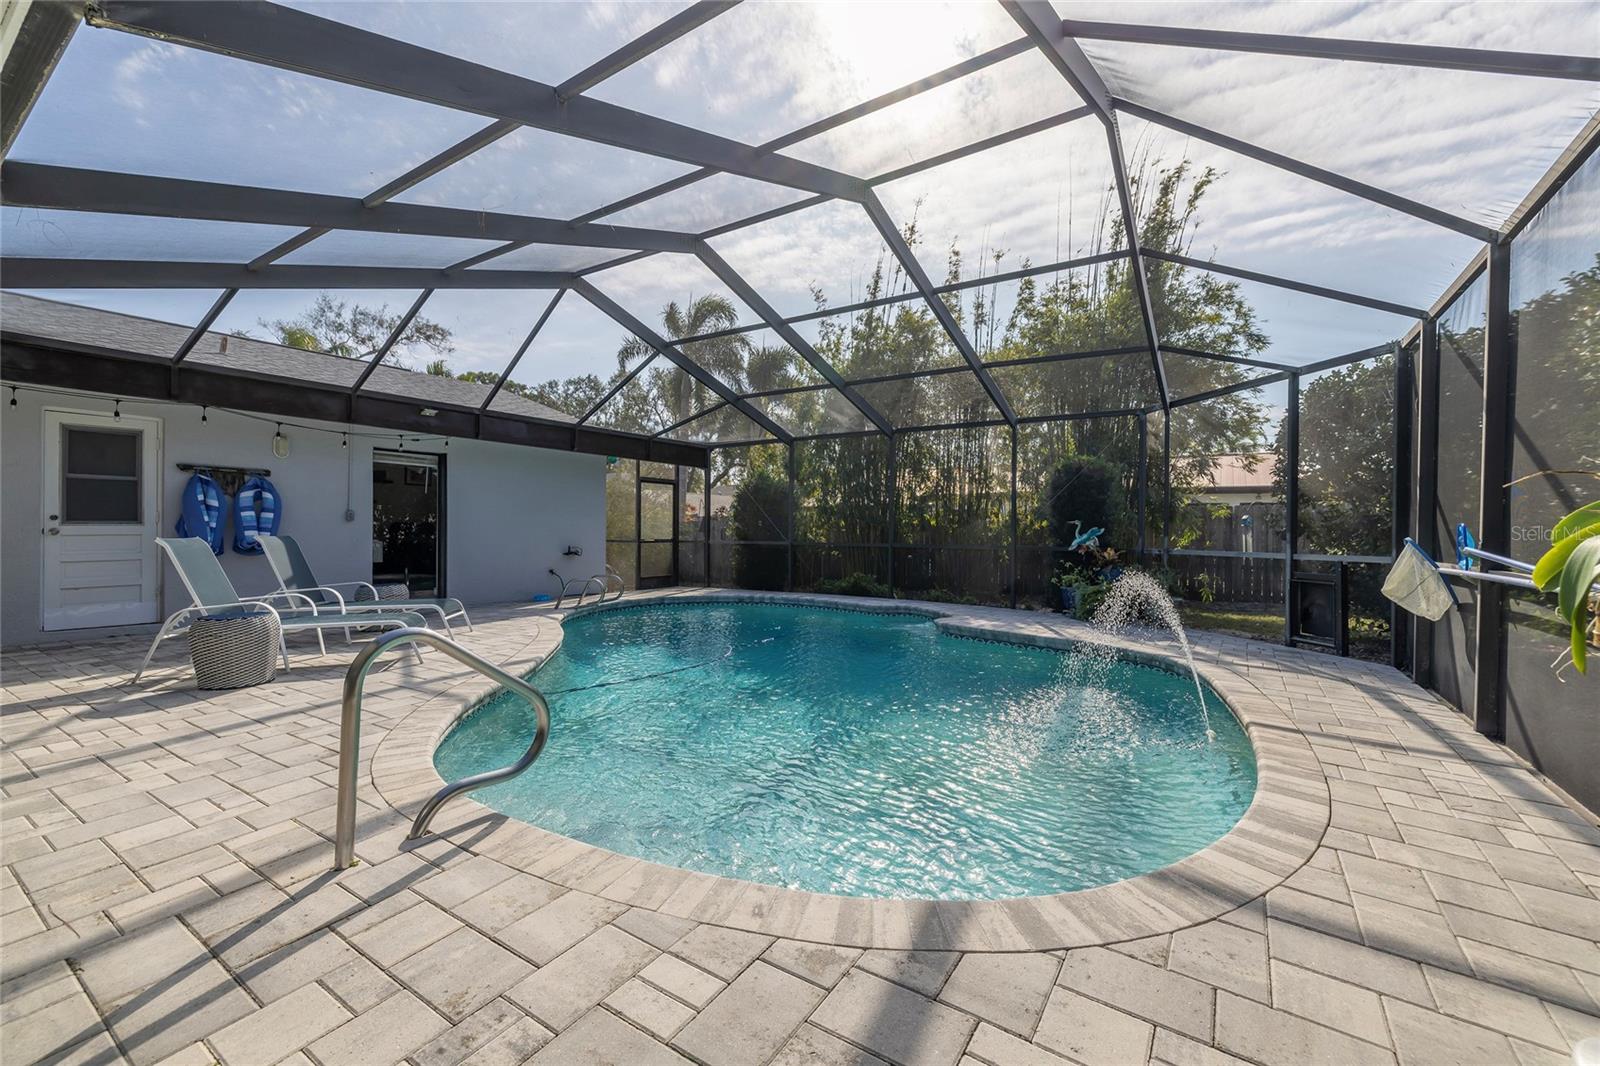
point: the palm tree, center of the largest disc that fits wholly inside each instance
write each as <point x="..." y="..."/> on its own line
<point x="732" y="359"/>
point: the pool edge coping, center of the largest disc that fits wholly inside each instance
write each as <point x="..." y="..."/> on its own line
<point x="1276" y="836"/>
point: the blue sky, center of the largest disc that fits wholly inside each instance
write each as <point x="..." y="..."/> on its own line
<point x="1467" y="143"/>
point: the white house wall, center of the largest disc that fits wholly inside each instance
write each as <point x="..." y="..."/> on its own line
<point x="510" y="510"/>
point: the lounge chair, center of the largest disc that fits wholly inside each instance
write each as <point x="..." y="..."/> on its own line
<point x="213" y="594"/>
<point x="294" y="574"/>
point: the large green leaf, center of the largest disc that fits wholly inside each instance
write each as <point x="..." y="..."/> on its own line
<point x="1548" y="569"/>
<point x="1577" y="576"/>
<point x="1587" y="515"/>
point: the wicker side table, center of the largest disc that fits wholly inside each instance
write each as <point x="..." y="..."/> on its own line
<point x="234" y="651"/>
<point x="396" y="591"/>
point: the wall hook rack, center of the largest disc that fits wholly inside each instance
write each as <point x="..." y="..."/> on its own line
<point x="228" y="478"/>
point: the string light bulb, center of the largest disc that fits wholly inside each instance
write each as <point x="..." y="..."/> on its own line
<point x="13" y="396"/>
<point x="344" y="440"/>
<point x="116" y="410"/>
<point x="202" y="414"/>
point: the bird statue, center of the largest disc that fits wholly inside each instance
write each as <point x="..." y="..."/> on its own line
<point x="1086" y="539"/>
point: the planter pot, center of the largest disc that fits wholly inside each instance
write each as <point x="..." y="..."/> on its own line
<point x="1069" y="601"/>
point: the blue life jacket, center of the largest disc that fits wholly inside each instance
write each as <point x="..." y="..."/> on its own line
<point x="256" y="509"/>
<point x="201" y="514"/>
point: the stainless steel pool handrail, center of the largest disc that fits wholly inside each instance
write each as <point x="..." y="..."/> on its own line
<point x="603" y="581"/>
<point x="583" y="582"/>
<point x="355" y="679"/>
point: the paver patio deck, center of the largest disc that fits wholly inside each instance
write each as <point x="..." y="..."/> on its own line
<point x="167" y="895"/>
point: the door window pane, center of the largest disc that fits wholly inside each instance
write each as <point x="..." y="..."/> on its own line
<point x="656" y="505"/>
<point x="655" y="561"/>
<point x="100" y="475"/>
<point x="95" y="452"/>
<point x="100" y="500"/>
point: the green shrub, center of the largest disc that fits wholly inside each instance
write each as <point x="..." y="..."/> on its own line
<point x="937" y="595"/>
<point x="1090" y="598"/>
<point x="1085" y="492"/>
<point x="857" y="584"/>
<point x="760" y="512"/>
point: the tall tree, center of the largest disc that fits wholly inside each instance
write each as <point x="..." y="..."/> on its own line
<point x="1346" y="475"/>
<point x="357" y="331"/>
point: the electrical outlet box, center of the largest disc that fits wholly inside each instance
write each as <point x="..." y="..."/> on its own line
<point x="349" y="516"/>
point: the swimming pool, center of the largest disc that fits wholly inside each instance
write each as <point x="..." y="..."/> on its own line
<point x="861" y="754"/>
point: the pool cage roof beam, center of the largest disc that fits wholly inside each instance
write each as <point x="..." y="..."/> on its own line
<point x="1285" y="283"/>
<point x="1576" y="154"/>
<point x="390" y="341"/>
<point x="1027" y="420"/>
<point x="823" y="125"/>
<point x="75" y="189"/>
<point x="775" y="322"/>
<point x="670" y="30"/>
<point x="42" y="33"/>
<point x="621" y="384"/>
<point x="294" y="40"/>
<point x="908" y="297"/>
<point x="29" y="273"/>
<point x="1239" y="360"/>
<point x="1049" y="122"/>
<point x="680" y="423"/>
<point x="1393" y="201"/>
<point x="415" y="176"/>
<point x="232" y="29"/>
<point x="656" y="38"/>
<point x="1337" y="361"/>
<point x="908" y="261"/>
<point x="199" y="331"/>
<point x="1487" y="61"/>
<point x="971" y="148"/>
<point x="522" y="349"/>
<point x="1332" y="363"/>
<point x="877" y="103"/>
<point x="1228" y="390"/>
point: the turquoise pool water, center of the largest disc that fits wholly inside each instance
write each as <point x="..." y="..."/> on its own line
<point x="866" y="755"/>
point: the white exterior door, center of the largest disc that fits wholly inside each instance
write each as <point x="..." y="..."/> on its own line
<point x="102" y="513"/>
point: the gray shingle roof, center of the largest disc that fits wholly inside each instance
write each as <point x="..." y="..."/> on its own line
<point x="73" y="324"/>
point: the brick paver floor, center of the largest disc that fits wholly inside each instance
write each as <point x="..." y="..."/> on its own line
<point x="167" y="896"/>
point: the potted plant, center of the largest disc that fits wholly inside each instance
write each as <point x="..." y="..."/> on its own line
<point x="1069" y="580"/>
<point x="1570" y="569"/>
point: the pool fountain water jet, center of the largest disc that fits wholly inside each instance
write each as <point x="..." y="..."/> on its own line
<point x="1124" y="602"/>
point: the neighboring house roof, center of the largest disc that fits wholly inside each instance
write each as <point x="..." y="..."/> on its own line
<point x="1243" y="472"/>
<point x="74" y="324"/>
